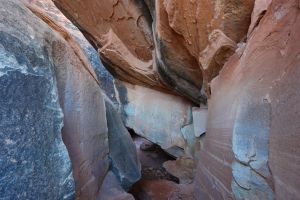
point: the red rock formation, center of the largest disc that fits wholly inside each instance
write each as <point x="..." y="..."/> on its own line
<point x="252" y="144"/>
<point x="251" y="148"/>
<point x="167" y="57"/>
<point x="82" y="102"/>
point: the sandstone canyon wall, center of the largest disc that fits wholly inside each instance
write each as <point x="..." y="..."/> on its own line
<point x="161" y="46"/>
<point x="251" y="149"/>
<point x="51" y="92"/>
<point x="215" y="83"/>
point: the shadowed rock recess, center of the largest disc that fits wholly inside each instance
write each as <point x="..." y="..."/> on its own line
<point x="149" y="99"/>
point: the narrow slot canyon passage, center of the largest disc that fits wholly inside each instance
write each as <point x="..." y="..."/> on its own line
<point x="155" y="183"/>
<point x="149" y="99"/>
<point x="153" y="173"/>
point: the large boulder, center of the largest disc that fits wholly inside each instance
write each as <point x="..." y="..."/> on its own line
<point x="85" y="128"/>
<point x="122" y="151"/>
<point x="121" y="32"/>
<point x="173" y="46"/>
<point x="34" y="162"/>
<point x="162" y="118"/>
<point x="252" y="143"/>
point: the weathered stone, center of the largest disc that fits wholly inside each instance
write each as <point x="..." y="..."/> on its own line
<point x="121" y="31"/>
<point x="251" y="146"/>
<point x="85" y="129"/>
<point x="176" y="66"/>
<point x="157" y="43"/>
<point x="183" y="168"/>
<point x="34" y="162"/>
<point x="214" y="56"/>
<point x="111" y="190"/>
<point x="259" y="10"/>
<point x="157" y="116"/>
<point x="200" y="120"/>
<point x="122" y="152"/>
<point x="105" y="78"/>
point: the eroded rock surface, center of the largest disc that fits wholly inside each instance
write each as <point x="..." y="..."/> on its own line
<point x="156" y="116"/>
<point x="158" y="43"/>
<point x="48" y="8"/>
<point x="251" y="146"/>
<point x="169" y="56"/>
<point x="34" y="162"/>
<point x="111" y="190"/>
<point x="85" y="127"/>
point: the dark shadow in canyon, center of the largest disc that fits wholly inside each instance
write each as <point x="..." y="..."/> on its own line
<point x="153" y="173"/>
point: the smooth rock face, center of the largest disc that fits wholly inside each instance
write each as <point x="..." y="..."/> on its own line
<point x="111" y="190"/>
<point x="251" y="147"/>
<point x="157" y="116"/>
<point x="105" y="78"/>
<point x="121" y="31"/>
<point x="34" y="162"/>
<point x="85" y="130"/>
<point x="122" y="152"/>
<point x="200" y="120"/>
<point x="159" y="43"/>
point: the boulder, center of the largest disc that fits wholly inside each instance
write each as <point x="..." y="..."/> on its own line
<point x="121" y="32"/>
<point x="251" y="145"/>
<point x="158" y="43"/>
<point x="157" y="116"/>
<point x="81" y="100"/>
<point x="34" y="162"/>
<point x="122" y="151"/>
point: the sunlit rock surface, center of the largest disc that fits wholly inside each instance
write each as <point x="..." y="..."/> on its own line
<point x="251" y="147"/>
<point x="48" y="8"/>
<point x="34" y="162"/>
<point x="85" y="127"/>
<point x="169" y="58"/>
<point x="158" y="43"/>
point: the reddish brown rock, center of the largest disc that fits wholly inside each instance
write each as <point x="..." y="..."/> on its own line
<point x="258" y="13"/>
<point x="162" y="190"/>
<point x="252" y="143"/>
<point x="82" y="102"/>
<point x="121" y="31"/>
<point x="165" y="55"/>
<point x="106" y="79"/>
